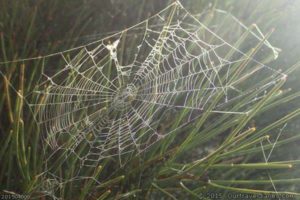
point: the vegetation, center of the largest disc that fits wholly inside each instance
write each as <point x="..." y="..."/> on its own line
<point x="216" y="156"/>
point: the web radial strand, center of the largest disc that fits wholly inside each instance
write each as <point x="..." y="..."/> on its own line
<point x="113" y="96"/>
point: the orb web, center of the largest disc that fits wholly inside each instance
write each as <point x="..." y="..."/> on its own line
<point x="112" y="96"/>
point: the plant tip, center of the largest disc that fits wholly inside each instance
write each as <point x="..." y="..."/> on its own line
<point x="284" y="77"/>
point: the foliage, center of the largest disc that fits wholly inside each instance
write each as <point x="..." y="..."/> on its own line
<point x="217" y="155"/>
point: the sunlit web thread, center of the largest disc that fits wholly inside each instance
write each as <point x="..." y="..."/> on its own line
<point x="116" y="107"/>
<point x="268" y="156"/>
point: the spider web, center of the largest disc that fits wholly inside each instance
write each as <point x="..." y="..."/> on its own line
<point x="121" y="94"/>
<point x="112" y="96"/>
